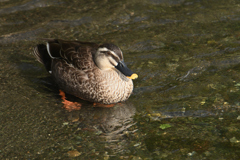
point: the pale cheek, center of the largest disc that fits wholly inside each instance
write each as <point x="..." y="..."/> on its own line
<point x="104" y="64"/>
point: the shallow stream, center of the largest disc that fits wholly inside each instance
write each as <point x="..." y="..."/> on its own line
<point x="186" y="101"/>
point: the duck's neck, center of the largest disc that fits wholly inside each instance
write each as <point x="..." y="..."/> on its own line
<point x="115" y="75"/>
<point x="117" y="87"/>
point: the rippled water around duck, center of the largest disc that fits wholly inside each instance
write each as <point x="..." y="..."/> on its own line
<point x="185" y="104"/>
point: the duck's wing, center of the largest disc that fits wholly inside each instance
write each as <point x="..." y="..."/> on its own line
<point x="75" y="53"/>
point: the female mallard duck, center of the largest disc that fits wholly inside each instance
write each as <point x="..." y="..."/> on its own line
<point x="93" y="72"/>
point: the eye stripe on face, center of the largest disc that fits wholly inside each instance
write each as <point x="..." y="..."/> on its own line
<point x="106" y="52"/>
<point x="113" y="48"/>
<point x="112" y="54"/>
<point x="115" y="58"/>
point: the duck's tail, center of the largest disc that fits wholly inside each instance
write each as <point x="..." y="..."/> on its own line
<point x="41" y="54"/>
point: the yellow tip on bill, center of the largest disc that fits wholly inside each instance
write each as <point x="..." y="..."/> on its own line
<point x="133" y="76"/>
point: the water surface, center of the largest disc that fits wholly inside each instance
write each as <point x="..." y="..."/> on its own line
<point x="185" y="104"/>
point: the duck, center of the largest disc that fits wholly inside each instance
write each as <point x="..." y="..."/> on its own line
<point x="90" y="71"/>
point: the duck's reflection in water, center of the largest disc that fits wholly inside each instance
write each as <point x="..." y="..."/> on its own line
<point x="110" y="124"/>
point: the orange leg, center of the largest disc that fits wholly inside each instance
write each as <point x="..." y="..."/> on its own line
<point x="68" y="105"/>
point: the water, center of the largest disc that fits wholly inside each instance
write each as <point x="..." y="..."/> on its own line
<point x="185" y="104"/>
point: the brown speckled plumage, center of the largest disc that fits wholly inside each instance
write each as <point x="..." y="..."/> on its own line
<point x="73" y="67"/>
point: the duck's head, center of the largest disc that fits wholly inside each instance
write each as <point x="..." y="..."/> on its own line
<point x="110" y="56"/>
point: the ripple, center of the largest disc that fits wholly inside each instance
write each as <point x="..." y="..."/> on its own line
<point x="27" y="6"/>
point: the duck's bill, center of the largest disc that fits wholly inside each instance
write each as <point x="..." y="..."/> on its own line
<point x="122" y="67"/>
<point x="133" y="76"/>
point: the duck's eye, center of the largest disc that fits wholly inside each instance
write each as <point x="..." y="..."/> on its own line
<point x="109" y="53"/>
<point x="106" y="52"/>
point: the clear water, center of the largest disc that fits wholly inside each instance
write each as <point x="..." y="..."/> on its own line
<point x="186" y="101"/>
